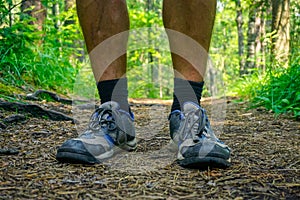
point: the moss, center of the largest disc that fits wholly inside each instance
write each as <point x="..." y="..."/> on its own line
<point x="9" y="90"/>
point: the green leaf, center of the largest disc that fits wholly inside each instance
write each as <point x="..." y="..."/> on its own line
<point x="286" y="101"/>
<point x="265" y="99"/>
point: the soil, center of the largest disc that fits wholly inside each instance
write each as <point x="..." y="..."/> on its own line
<point x="265" y="157"/>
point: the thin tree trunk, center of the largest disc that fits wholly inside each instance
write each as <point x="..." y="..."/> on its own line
<point x="255" y="33"/>
<point x="281" y="27"/>
<point x="55" y="12"/>
<point x="10" y="17"/>
<point x="263" y="44"/>
<point x="68" y="5"/>
<point x="265" y="28"/>
<point x="259" y="23"/>
<point x="38" y="12"/>
<point x="250" y="63"/>
<point x="239" y="22"/>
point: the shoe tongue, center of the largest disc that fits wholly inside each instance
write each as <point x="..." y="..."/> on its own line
<point x="189" y="106"/>
<point x="111" y="105"/>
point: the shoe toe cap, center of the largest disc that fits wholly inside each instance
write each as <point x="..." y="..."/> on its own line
<point x="73" y="146"/>
<point x="206" y="150"/>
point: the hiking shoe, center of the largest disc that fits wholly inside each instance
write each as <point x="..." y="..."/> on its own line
<point x="198" y="147"/>
<point x="109" y="127"/>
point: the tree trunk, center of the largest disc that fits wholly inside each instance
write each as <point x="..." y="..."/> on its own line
<point x="38" y="12"/>
<point x="55" y="12"/>
<point x="259" y="32"/>
<point x="250" y="63"/>
<point x="239" y="23"/>
<point x="281" y="27"/>
<point x="10" y="16"/>
<point x="68" y="5"/>
<point x="256" y="31"/>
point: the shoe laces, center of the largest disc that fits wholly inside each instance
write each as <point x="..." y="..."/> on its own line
<point x="196" y="126"/>
<point x="102" y="119"/>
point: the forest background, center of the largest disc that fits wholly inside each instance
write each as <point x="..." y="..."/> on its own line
<point x="254" y="52"/>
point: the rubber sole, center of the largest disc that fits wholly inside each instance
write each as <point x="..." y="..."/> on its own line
<point x="76" y="158"/>
<point x="83" y="156"/>
<point x="204" y="163"/>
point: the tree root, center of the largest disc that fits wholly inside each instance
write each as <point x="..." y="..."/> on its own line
<point x="35" y="111"/>
<point x="55" y="97"/>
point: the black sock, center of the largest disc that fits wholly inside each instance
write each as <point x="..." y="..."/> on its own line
<point x="184" y="91"/>
<point x="114" y="90"/>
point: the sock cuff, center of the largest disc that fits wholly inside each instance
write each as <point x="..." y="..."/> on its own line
<point x="114" y="90"/>
<point x="110" y="84"/>
<point x="185" y="90"/>
<point x="179" y="82"/>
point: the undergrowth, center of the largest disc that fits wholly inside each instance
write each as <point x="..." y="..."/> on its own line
<point x="31" y="59"/>
<point x="277" y="90"/>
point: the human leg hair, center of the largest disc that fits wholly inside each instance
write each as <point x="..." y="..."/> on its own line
<point x="101" y="20"/>
<point x="195" y="19"/>
<point x="105" y="25"/>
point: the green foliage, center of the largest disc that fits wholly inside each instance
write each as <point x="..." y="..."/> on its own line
<point x="39" y="59"/>
<point x="15" y="52"/>
<point x="7" y="90"/>
<point x="224" y="45"/>
<point x="281" y="93"/>
<point x="277" y="90"/>
<point x="149" y="67"/>
<point x="247" y="86"/>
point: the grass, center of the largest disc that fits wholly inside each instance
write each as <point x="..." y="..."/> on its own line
<point x="277" y="90"/>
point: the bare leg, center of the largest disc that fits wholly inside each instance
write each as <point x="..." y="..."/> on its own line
<point x="194" y="18"/>
<point x="100" y="20"/>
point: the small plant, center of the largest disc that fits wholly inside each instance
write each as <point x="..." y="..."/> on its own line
<point x="40" y="58"/>
<point x="277" y="90"/>
<point x="281" y="94"/>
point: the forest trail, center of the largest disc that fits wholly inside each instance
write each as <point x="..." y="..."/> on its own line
<point x="265" y="158"/>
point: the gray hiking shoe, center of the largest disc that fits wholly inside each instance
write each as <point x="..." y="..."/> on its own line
<point x="109" y="127"/>
<point x="198" y="147"/>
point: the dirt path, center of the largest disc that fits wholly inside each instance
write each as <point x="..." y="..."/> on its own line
<point x="265" y="159"/>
